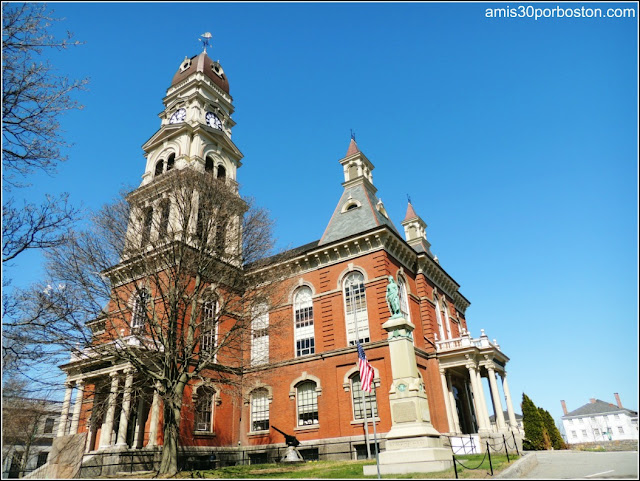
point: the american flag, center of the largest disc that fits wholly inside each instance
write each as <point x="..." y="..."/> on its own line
<point x="366" y="370"/>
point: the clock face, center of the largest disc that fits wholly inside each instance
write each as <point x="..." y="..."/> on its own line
<point x="213" y="121"/>
<point x="178" y="116"/>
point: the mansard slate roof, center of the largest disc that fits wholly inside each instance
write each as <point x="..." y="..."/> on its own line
<point x="354" y="221"/>
<point x="202" y="63"/>
<point x="598" y="407"/>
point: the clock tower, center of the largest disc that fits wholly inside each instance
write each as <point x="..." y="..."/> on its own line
<point x="194" y="138"/>
<point x="196" y="125"/>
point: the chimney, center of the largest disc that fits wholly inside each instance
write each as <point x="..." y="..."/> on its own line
<point x="564" y="407"/>
<point x="618" y="400"/>
<point x="592" y="400"/>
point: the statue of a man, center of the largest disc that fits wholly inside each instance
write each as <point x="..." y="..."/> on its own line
<point x="393" y="299"/>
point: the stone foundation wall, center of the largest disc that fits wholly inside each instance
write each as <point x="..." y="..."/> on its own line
<point x="624" y="445"/>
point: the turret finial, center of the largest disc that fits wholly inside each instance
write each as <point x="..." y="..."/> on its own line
<point x="205" y="43"/>
<point x="353" y="134"/>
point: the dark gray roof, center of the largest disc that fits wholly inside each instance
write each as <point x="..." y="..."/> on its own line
<point x="354" y="221"/>
<point x="492" y="418"/>
<point x="598" y="407"/>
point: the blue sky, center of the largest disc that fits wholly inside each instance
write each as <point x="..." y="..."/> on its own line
<point x="515" y="138"/>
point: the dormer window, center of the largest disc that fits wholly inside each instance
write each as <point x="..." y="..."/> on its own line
<point x="217" y="69"/>
<point x="350" y="204"/>
<point x="186" y="63"/>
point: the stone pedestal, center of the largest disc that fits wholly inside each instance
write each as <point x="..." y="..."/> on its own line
<point x="292" y="455"/>
<point x="413" y="445"/>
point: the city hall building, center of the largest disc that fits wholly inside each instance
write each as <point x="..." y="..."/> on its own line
<point x="302" y="379"/>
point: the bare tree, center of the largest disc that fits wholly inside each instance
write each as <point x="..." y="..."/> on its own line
<point x="167" y="281"/>
<point x="33" y="99"/>
<point x="33" y="96"/>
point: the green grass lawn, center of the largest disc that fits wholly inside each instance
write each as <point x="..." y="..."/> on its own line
<point x="350" y="470"/>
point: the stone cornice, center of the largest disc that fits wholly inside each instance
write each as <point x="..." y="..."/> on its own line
<point x="379" y="238"/>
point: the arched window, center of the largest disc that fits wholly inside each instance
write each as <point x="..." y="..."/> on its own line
<point x="439" y="319"/>
<point x="204" y="402"/>
<point x="370" y="402"/>
<point x="159" y="167"/>
<point x="147" y="222"/>
<point x="140" y="308"/>
<point x="303" y="315"/>
<point x="447" y="319"/>
<point x="164" y="218"/>
<point x="170" y="161"/>
<point x="259" y="410"/>
<point x="404" y="298"/>
<point x="260" y="335"/>
<point x="355" y="308"/>
<point x="307" y="403"/>
<point x="209" y="327"/>
<point x="222" y="172"/>
<point x="208" y="165"/>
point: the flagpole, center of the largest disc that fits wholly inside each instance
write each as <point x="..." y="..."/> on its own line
<point x="375" y="437"/>
<point x="364" y="401"/>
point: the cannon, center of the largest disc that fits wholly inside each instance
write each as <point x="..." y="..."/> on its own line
<point x="289" y="439"/>
<point x="291" y="455"/>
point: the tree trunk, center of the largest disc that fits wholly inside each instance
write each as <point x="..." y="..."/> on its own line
<point x="171" y="425"/>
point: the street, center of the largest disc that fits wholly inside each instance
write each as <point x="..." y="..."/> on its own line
<point x="584" y="464"/>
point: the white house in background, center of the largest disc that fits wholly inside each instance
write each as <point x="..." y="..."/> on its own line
<point x="600" y="421"/>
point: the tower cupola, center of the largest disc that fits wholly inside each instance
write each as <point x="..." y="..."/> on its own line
<point x="415" y="231"/>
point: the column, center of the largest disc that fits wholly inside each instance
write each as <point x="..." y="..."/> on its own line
<point x="139" y="436"/>
<point x="483" y="401"/>
<point x="495" y="395"/>
<point x="124" y="412"/>
<point x="107" y="425"/>
<point x="454" y="411"/>
<point x="77" y="408"/>
<point x="477" y="399"/>
<point x="155" y="409"/>
<point x="447" y="400"/>
<point x="62" y="426"/>
<point x="507" y="397"/>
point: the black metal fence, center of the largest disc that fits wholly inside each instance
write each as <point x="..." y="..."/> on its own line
<point x="497" y="446"/>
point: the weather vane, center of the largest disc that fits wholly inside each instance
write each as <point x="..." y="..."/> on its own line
<point x="409" y="198"/>
<point x="353" y="134"/>
<point x="207" y="38"/>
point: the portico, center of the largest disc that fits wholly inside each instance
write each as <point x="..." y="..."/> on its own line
<point x="464" y="362"/>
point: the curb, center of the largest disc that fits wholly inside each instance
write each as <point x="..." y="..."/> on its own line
<point x="520" y="468"/>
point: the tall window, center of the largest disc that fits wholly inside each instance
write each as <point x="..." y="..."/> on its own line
<point x="446" y="317"/>
<point x="260" y="335"/>
<point x="209" y="327"/>
<point x="140" y="308"/>
<point x="147" y="222"/>
<point x="205" y="397"/>
<point x="404" y="298"/>
<point x="303" y="314"/>
<point x="439" y="319"/>
<point x="170" y="161"/>
<point x="260" y="410"/>
<point x="356" y="399"/>
<point x="164" y="218"/>
<point x="307" y="403"/>
<point x="222" y="172"/>
<point x="356" y="308"/>
<point x="48" y="425"/>
<point x="208" y="165"/>
<point x="159" y="167"/>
